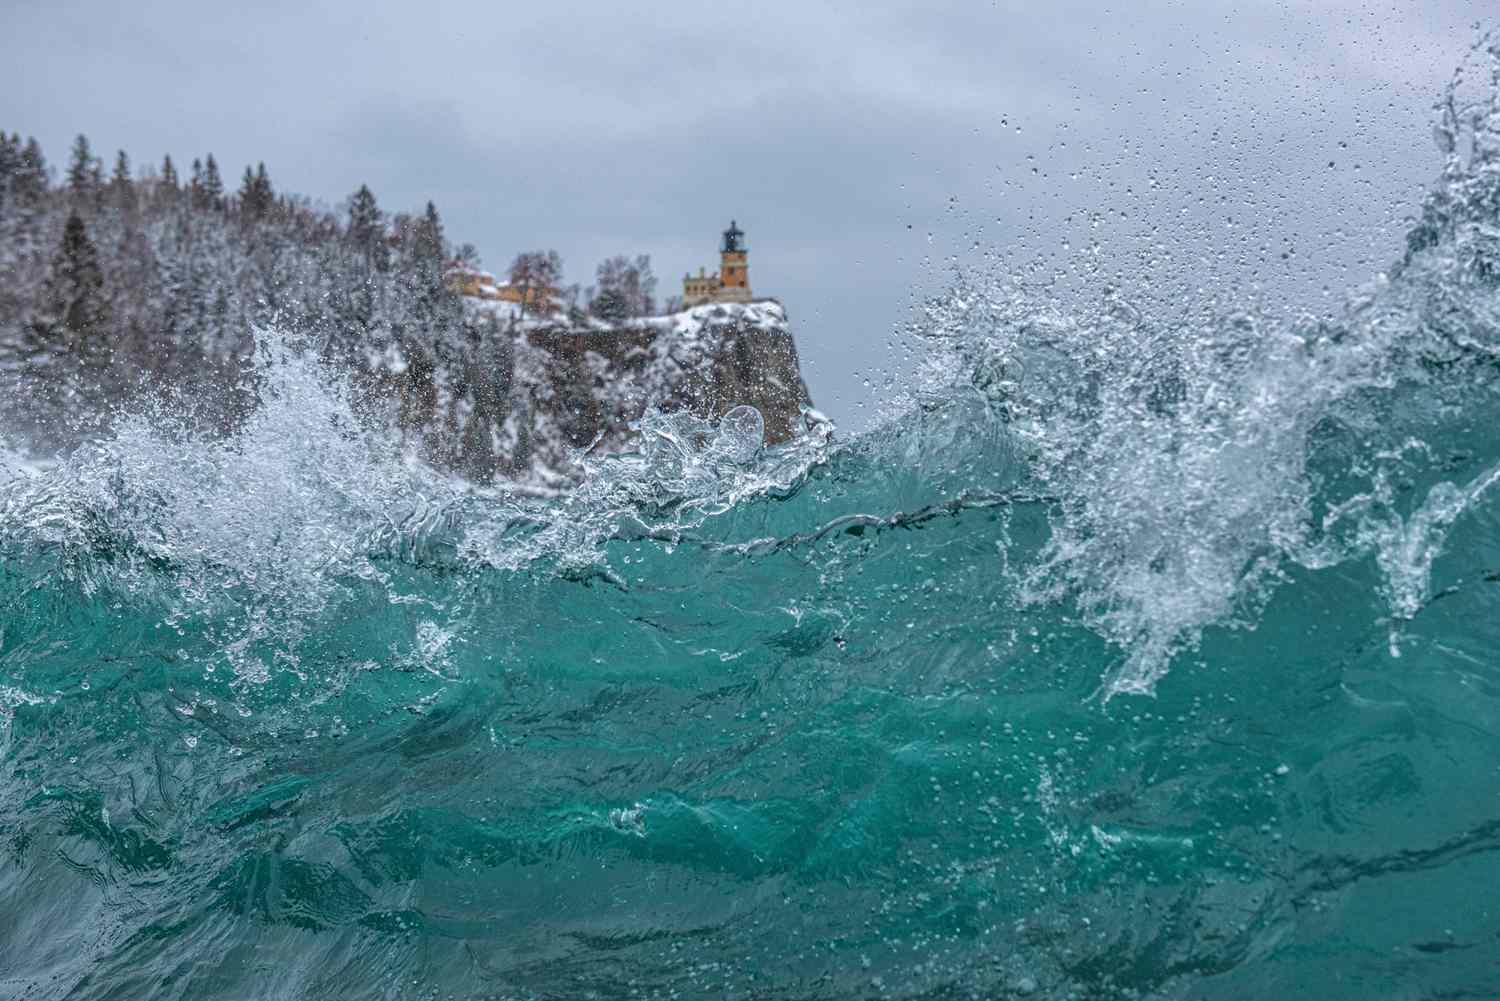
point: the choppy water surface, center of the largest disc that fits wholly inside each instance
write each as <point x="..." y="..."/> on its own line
<point x="1132" y="661"/>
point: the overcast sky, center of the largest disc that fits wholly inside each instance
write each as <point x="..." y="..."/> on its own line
<point x="861" y="145"/>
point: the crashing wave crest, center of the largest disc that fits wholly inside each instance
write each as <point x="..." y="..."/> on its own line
<point x="1192" y="460"/>
<point x="1187" y="462"/>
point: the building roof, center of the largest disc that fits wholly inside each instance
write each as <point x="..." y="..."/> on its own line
<point x="732" y="239"/>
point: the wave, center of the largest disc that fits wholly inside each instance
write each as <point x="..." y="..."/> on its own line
<point x="1185" y="461"/>
<point x="729" y="719"/>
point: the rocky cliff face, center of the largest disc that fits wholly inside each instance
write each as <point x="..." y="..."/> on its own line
<point x="521" y="407"/>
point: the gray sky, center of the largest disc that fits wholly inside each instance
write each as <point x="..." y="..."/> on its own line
<point x="862" y="146"/>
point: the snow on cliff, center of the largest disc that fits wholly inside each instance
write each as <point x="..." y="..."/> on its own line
<point x="552" y="386"/>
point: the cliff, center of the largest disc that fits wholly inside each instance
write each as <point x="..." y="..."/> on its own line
<point x="554" y="386"/>
<point x="114" y="294"/>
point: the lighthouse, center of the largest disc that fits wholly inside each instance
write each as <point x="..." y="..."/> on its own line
<point x="732" y="281"/>
<point x="734" y="269"/>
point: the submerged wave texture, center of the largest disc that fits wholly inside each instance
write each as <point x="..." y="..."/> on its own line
<point x="283" y="717"/>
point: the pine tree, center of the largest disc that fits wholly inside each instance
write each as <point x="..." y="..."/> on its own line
<point x="10" y="160"/>
<point x="520" y="456"/>
<point x="74" y="315"/>
<point x="122" y="169"/>
<point x="428" y="240"/>
<point x="431" y="306"/>
<point x="121" y="189"/>
<point x="198" y="186"/>
<point x="247" y="194"/>
<point x="168" y="173"/>
<point x="423" y="249"/>
<point x="82" y="169"/>
<point x="256" y="196"/>
<point x="610" y="305"/>
<point x="263" y="188"/>
<point x="419" y="393"/>
<point x="367" y="228"/>
<point x="213" y="184"/>
<point x="29" y="182"/>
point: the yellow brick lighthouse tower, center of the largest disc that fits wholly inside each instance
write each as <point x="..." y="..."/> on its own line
<point x="731" y="283"/>
<point x="734" y="269"/>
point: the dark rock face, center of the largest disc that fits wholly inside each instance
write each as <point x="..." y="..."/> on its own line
<point x="738" y="355"/>
<point x="568" y="385"/>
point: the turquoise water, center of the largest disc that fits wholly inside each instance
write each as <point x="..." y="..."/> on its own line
<point x="1130" y="659"/>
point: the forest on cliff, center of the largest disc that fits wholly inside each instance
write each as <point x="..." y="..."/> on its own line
<point x="120" y="284"/>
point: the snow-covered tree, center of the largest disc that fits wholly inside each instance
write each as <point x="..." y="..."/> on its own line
<point x="626" y="288"/>
<point x="367" y="228"/>
<point x="10" y="159"/>
<point x="74" y="311"/>
<point x="82" y="168"/>
<point x="121" y="187"/>
<point x="536" y="274"/>
<point x="213" y="184"/>
<point x="30" y="180"/>
<point x="256" y="197"/>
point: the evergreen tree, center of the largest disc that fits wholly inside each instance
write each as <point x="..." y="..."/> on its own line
<point x="367" y="228"/>
<point x="29" y="182"/>
<point x="428" y="240"/>
<point x="121" y="175"/>
<point x="609" y="304"/>
<point x="418" y="389"/>
<point x="82" y="169"/>
<point x="10" y="155"/>
<point x="213" y="184"/>
<point x="32" y="158"/>
<point x="520" y="455"/>
<point x="121" y="190"/>
<point x="10" y="159"/>
<point x="256" y="197"/>
<point x="74" y="315"/>
<point x="196" y="193"/>
<point x="358" y="299"/>
<point x="247" y="192"/>
<point x="168" y="173"/>
<point x="432" y="306"/>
